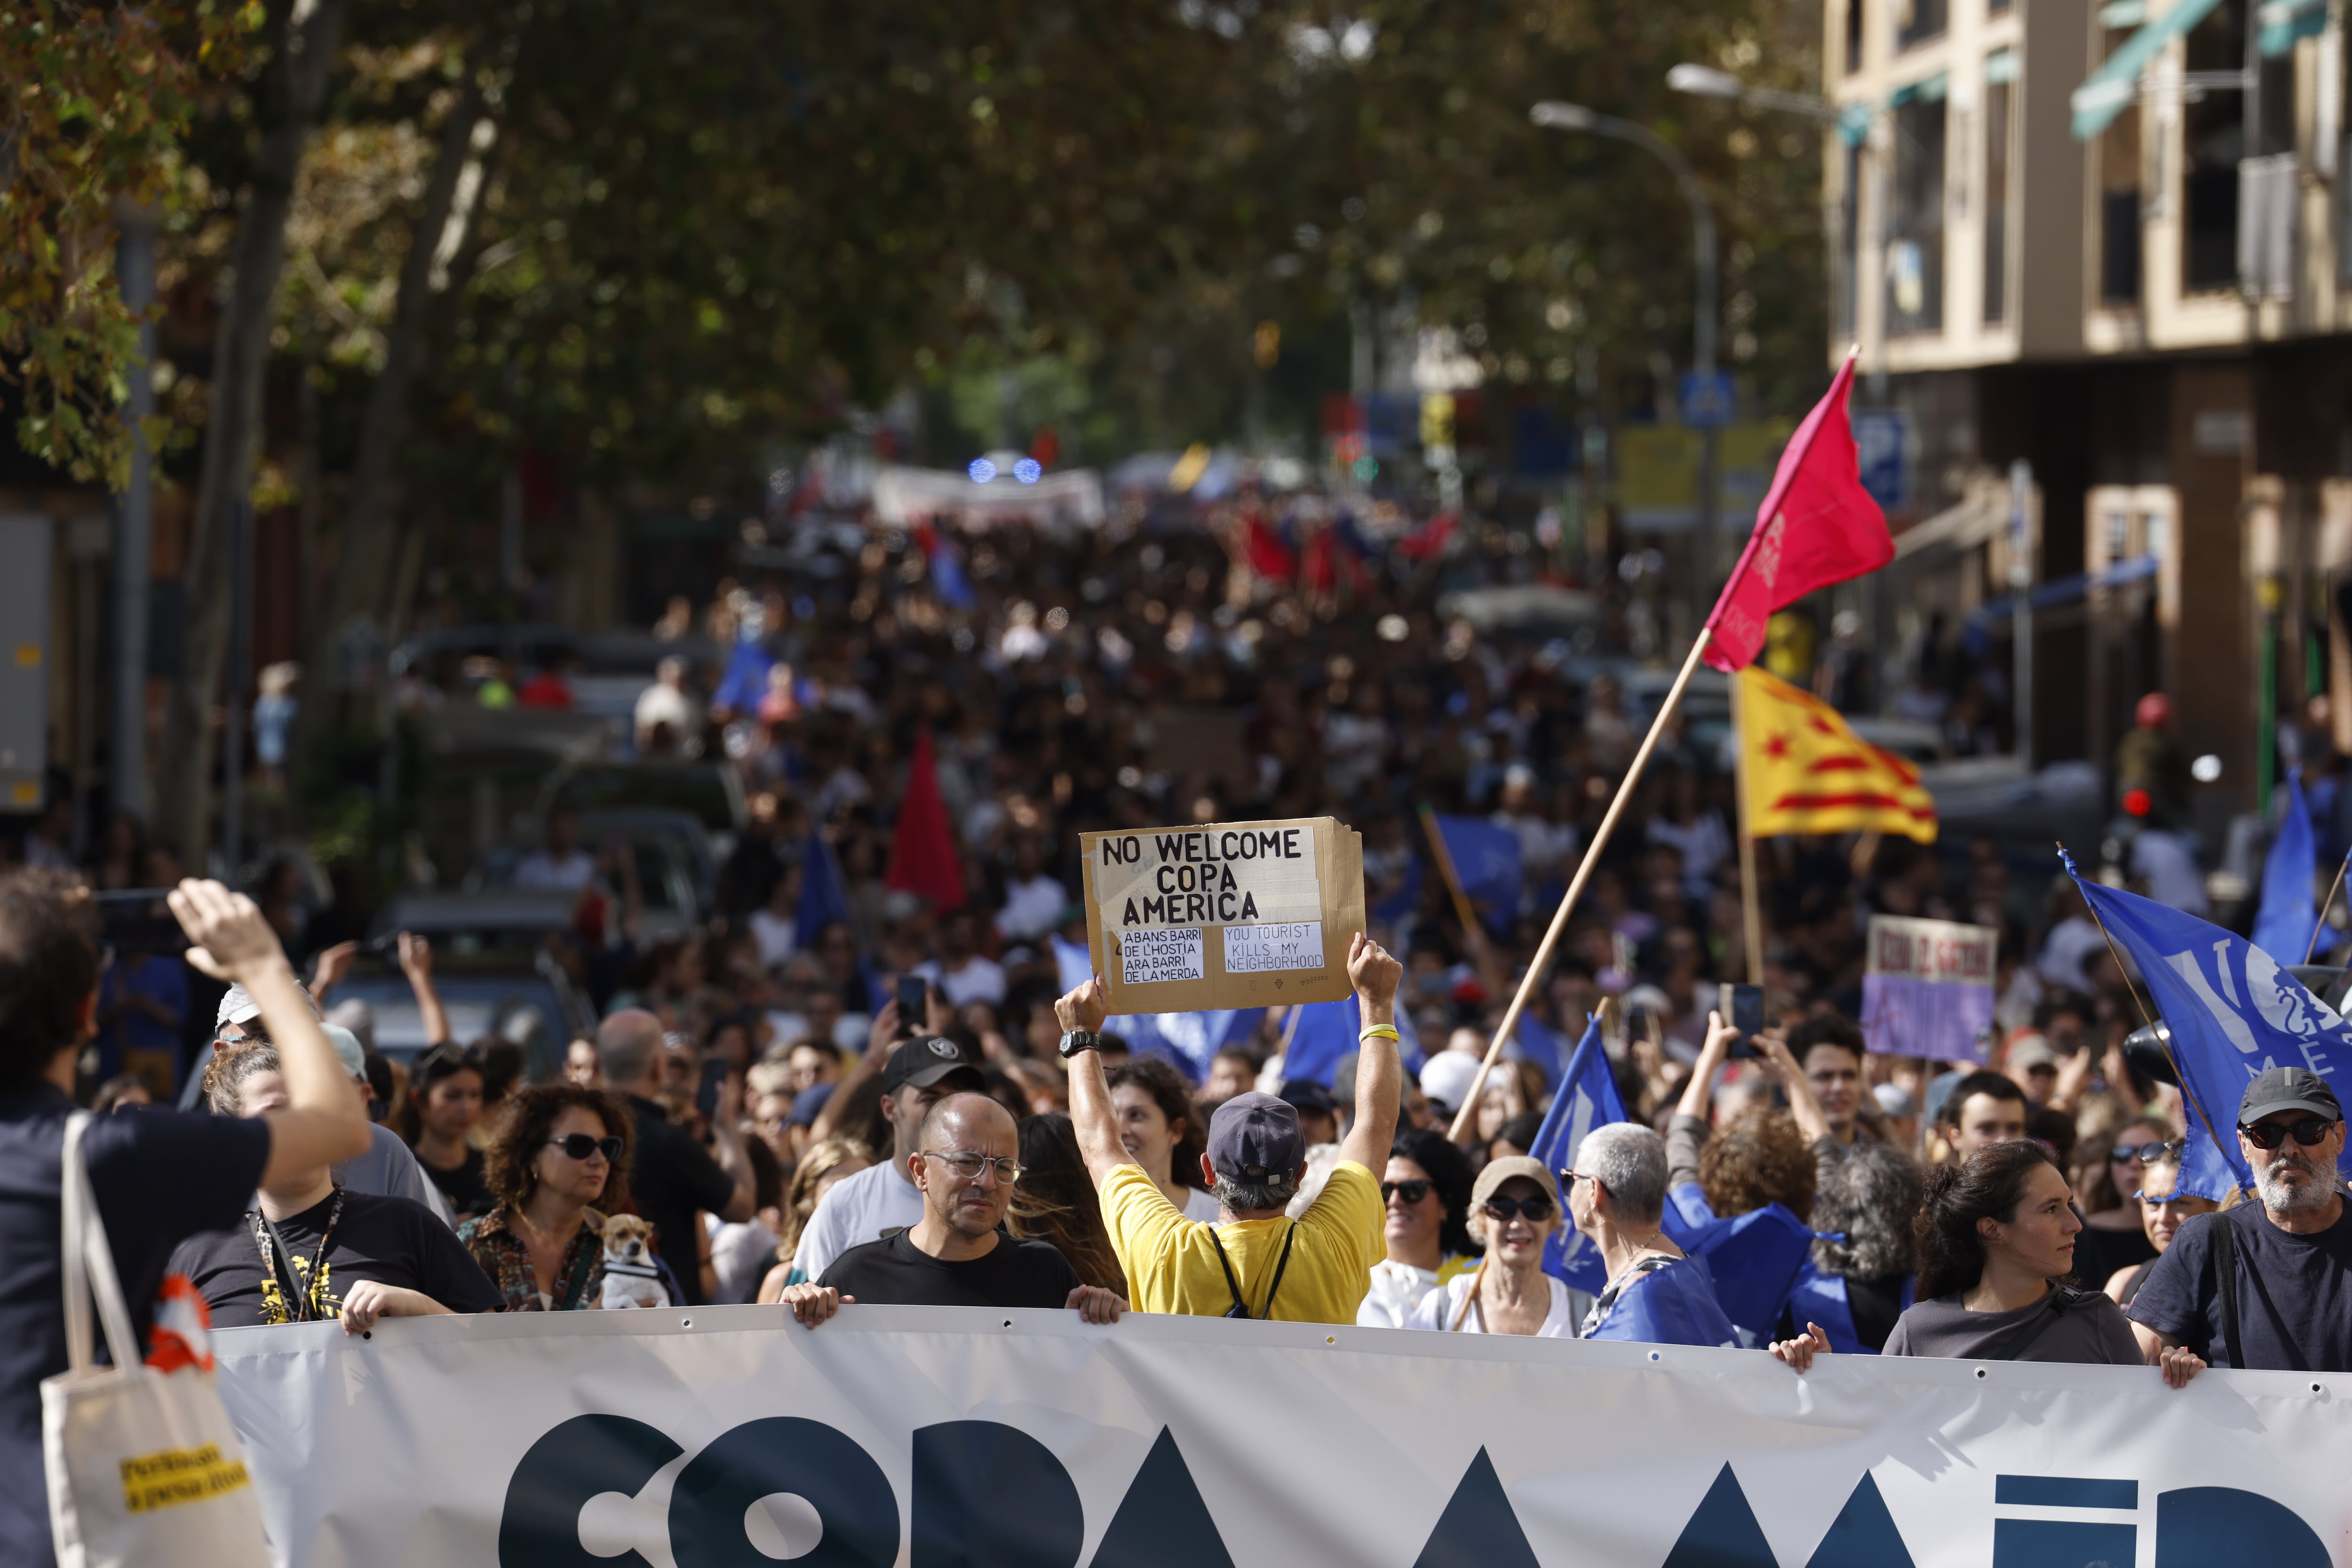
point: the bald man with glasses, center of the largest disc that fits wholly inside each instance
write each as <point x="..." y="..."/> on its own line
<point x="966" y="1163"/>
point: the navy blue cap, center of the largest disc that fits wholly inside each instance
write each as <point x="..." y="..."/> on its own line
<point x="1306" y="1094"/>
<point x="1254" y="1136"/>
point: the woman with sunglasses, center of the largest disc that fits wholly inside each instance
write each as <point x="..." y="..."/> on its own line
<point x="444" y="1101"/>
<point x="2163" y="1209"/>
<point x="1513" y="1210"/>
<point x="1425" y="1191"/>
<point x="558" y="1165"/>
<point x="2114" y="1235"/>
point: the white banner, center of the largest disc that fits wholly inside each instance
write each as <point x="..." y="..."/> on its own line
<point x="724" y="1437"/>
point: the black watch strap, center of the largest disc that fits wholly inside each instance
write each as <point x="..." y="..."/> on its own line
<point x="1078" y="1040"/>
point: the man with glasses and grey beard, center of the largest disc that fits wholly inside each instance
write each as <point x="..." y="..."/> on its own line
<point x="2265" y="1284"/>
<point x="967" y="1158"/>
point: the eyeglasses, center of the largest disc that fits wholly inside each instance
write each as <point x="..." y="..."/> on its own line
<point x="1537" y="1209"/>
<point x="2269" y="1135"/>
<point x="580" y="1145"/>
<point x="1412" y="1191"/>
<point x="1568" y="1180"/>
<point x="2122" y="1154"/>
<point x="967" y="1167"/>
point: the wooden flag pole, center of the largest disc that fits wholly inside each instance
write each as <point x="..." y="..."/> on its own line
<point x="1481" y="952"/>
<point x="2320" y="924"/>
<point x="1584" y="870"/>
<point x="1751" y="913"/>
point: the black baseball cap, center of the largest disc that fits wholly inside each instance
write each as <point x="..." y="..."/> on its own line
<point x="925" y="1062"/>
<point x="1252" y="1136"/>
<point x="2288" y="1088"/>
<point x="1306" y="1094"/>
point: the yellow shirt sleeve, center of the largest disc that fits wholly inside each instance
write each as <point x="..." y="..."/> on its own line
<point x="1147" y="1232"/>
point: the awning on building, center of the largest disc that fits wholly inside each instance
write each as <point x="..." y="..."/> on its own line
<point x="2107" y="90"/>
<point x="2066" y="590"/>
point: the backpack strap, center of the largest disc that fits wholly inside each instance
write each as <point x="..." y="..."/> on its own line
<point x="1240" y="1309"/>
<point x="2224" y="1257"/>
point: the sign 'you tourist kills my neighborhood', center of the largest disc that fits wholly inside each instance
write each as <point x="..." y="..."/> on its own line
<point x="1227" y="914"/>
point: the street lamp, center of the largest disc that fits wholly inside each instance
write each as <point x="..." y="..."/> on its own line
<point x="1557" y="116"/>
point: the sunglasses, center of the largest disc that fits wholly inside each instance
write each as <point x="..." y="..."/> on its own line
<point x="580" y="1145"/>
<point x="2122" y="1154"/>
<point x="1537" y="1209"/>
<point x="1412" y="1191"/>
<point x="2269" y="1135"/>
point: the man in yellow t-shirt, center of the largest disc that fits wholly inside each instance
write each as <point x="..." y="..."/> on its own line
<point x="1255" y="1262"/>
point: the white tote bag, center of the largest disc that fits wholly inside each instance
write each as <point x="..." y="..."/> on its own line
<point x="143" y="1466"/>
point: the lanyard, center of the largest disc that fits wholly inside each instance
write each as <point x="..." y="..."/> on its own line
<point x="305" y="1304"/>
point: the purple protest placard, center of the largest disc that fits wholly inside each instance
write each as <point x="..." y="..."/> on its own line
<point x="1928" y="991"/>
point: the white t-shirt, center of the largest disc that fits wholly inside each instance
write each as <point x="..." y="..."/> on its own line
<point x="1396" y="1290"/>
<point x="1438" y="1308"/>
<point x="853" y="1211"/>
<point x="1199" y="1206"/>
<point x="1032" y="909"/>
<point x="980" y="980"/>
<point x="776" y="935"/>
<point x="568" y="875"/>
<point x="742" y="1253"/>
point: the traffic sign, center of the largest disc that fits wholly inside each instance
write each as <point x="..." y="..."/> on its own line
<point x="1883" y="445"/>
<point x="1710" y="401"/>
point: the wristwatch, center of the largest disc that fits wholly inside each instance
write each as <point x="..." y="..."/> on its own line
<point x="1078" y="1040"/>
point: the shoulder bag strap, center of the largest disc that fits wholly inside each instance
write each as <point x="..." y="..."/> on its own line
<point x="2053" y="1307"/>
<point x="1240" y="1307"/>
<point x="1282" y="1264"/>
<point x="293" y="1283"/>
<point x="2224" y="1254"/>
<point x="87" y="1263"/>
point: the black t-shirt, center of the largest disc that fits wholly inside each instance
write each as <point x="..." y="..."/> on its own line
<point x="671" y="1176"/>
<point x="894" y="1272"/>
<point x="2099" y="1254"/>
<point x="2294" y="1292"/>
<point x="392" y="1241"/>
<point x="462" y="1186"/>
<point x="160" y="1175"/>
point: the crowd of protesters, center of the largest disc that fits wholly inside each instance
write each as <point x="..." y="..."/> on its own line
<point x="880" y="1087"/>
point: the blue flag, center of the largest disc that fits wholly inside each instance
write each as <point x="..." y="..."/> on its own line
<point x="947" y="573"/>
<point x="1538" y="1043"/>
<point x="1587" y="1099"/>
<point x="1486" y="858"/>
<point x="2233" y="1012"/>
<point x="1399" y="904"/>
<point x="823" y="901"/>
<point x="2286" y="922"/>
<point x="1753" y="1259"/>
<point x="746" y="677"/>
<point x="1325" y="1032"/>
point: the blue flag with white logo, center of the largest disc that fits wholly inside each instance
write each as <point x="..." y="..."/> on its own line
<point x="1486" y="858"/>
<point x="2233" y="1012"/>
<point x="1538" y="1043"/>
<point x="2285" y="923"/>
<point x="1587" y="1099"/>
<point x="1325" y="1032"/>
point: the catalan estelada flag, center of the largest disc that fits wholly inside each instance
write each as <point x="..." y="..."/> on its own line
<point x="1805" y="772"/>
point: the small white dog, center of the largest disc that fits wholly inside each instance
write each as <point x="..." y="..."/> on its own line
<point x="630" y="1278"/>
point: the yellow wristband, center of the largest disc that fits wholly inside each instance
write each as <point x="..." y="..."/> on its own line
<point x="1381" y="1032"/>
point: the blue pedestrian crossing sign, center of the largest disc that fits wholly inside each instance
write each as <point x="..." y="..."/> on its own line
<point x="1710" y="401"/>
<point x="1883" y="445"/>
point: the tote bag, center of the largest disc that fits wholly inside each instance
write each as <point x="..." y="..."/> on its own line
<point x="144" y="1468"/>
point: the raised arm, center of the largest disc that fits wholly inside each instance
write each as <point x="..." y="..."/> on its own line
<point x="1698" y="1094"/>
<point x="416" y="962"/>
<point x="324" y="1121"/>
<point x="1090" y="1108"/>
<point x="1811" y="1125"/>
<point x="879" y="1038"/>
<point x="1379" y="1076"/>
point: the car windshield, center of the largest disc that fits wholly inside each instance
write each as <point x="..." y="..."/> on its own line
<point x="523" y="1007"/>
<point x="699" y="791"/>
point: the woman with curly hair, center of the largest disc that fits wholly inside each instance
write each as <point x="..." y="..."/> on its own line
<point x="1862" y="1274"/>
<point x="1995" y="1241"/>
<point x="1425" y="1191"/>
<point x="559" y="1163"/>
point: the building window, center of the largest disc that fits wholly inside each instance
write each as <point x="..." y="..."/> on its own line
<point x="1914" y="228"/>
<point x="2213" y="137"/>
<point x="1917" y="21"/>
<point x="1854" y="35"/>
<point x="2001" y="74"/>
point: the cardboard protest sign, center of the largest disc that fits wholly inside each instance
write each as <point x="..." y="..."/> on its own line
<point x="1227" y="914"/>
<point x="1929" y="989"/>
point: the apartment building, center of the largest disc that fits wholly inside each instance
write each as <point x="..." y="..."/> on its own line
<point x="2112" y="240"/>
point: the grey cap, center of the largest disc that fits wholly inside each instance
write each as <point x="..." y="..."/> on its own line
<point x="238" y="1007"/>
<point x="1254" y="1136"/>
<point x="2288" y="1088"/>
<point x="347" y="1046"/>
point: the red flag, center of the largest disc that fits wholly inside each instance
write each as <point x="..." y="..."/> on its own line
<point x="1817" y="526"/>
<point x="922" y="846"/>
